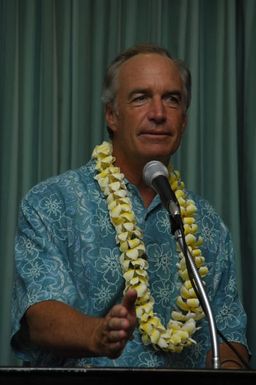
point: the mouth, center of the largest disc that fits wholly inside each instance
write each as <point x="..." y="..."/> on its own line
<point x="155" y="134"/>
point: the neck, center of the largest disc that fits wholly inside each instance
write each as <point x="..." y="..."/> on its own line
<point x="133" y="172"/>
<point x="132" y="168"/>
<point x="135" y="176"/>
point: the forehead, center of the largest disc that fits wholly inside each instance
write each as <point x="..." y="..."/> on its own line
<point x="150" y="68"/>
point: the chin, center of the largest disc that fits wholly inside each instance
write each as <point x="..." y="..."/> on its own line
<point x="162" y="153"/>
<point x="162" y="157"/>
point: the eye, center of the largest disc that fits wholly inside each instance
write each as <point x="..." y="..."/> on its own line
<point x="139" y="99"/>
<point x="173" y="99"/>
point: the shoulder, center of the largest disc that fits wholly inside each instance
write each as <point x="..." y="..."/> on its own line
<point x="217" y="238"/>
<point x="206" y="211"/>
<point x="65" y="187"/>
<point x="211" y="224"/>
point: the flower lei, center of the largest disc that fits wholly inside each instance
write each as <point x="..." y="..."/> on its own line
<point x="182" y="324"/>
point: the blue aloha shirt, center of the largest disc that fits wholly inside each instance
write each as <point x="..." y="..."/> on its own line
<point x="66" y="251"/>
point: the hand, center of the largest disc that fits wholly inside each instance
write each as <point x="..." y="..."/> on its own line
<point x="117" y="327"/>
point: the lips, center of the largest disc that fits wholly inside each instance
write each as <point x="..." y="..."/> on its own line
<point x="155" y="133"/>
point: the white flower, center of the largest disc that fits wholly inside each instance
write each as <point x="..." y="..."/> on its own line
<point x="129" y="237"/>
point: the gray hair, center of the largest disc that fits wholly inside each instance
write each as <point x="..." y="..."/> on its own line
<point x="110" y="85"/>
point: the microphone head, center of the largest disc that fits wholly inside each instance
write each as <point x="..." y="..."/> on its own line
<point x="153" y="169"/>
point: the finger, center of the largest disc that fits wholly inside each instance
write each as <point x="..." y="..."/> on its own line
<point x="115" y="349"/>
<point x="117" y="336"/>
<point x="129" y="299"/>
<point x="118" y="311"/>
<point x="118" y="324"/>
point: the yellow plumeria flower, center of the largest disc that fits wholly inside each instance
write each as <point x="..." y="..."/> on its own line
<point x="133" y="260"/>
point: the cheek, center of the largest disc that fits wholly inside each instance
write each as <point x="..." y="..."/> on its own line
<point x="131" y="121"/>
<point x="179" y="123"/>
<point x="126" y="124"/>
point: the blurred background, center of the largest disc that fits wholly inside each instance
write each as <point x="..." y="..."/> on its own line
<point x="53" y="56"/>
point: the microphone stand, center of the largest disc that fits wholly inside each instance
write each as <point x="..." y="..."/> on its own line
<point x="177" y="231"/>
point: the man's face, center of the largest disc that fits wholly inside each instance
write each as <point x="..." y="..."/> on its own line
<point x="149" y="115"/>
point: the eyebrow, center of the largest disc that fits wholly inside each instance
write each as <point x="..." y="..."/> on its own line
<point x="148" y="91"/>
<point x="138" y="91"/>
<point x="175" y="93"/>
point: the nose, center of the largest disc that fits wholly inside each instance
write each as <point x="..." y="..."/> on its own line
<point x="157" y="112"/>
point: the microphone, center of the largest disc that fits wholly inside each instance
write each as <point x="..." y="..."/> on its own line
<point x="155" y="175"/>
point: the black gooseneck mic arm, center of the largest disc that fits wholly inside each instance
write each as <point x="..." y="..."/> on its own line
<point x="155" y="175"/>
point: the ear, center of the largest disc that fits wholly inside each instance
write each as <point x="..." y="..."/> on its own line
<point x="111" y="117"/>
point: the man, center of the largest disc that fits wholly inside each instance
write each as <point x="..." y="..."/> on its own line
<point x="100" y="281"/>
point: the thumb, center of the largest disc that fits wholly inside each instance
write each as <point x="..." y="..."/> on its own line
<point x="129" y="299"/>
